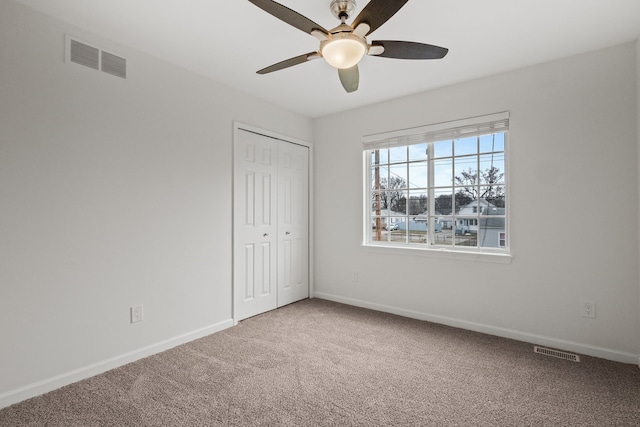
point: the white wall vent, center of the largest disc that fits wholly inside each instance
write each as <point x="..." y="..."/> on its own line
<point x="556" y="353"/>
<point x="94" y="57"/>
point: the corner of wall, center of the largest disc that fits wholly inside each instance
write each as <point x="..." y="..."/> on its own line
<point x="638" y="170"/>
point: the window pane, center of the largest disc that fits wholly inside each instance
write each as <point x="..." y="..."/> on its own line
<point x="442" y="149"/>
<point x="398" y="176"/>
<point x="466" y="170"/>
<point x="492" y="168"/>
<point x="399" y="203"/>
<point x="378" y="237"/>
<point x="445" y="235"/>
<point x="418" y="203"/>
<point x="375" y="160"/>
<point x="399" y="223"/>
<point x="489" y="143"/>
<point x="393" y="202"/>
<point x="398" y="154"/>
<point x="418" y="152"/>
<point x="417" y="232"/>
<point x="490" y="231"/>
<point x="383" y="155"/>
<point x="384" y="173"/>
<point x="466" y="189"/>
<point x="384" y="203"/>
<point x="396" y="229"/>
<point x="375" y="218"/>
<point x="493" y="200"/>
<point x="443" y="201"/>
<point x="499" y="142"/>
<point x="466" y="231"/>
<point x="376" y="202"/>
<point x="418" y="175"/>
<point x="377" y="230"/>
<point x="443" y="172"/>
<point x="466" y="205"/>
<point x="462" y="226"/>
<point x="398" y="236"/>
<point x="466" y="146"/>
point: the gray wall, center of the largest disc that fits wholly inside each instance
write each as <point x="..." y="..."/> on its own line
<point x="574" y="209"/>
<point x="112" y="192"/>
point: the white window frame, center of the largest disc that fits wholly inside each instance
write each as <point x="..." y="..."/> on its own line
<point x="475" y="126"/>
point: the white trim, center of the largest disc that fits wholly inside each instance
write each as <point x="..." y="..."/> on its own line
<point x="589" y="350"/>
<point x="53" y="383"/>
<point x="439" y="252"/>
<point x="250" y="128"/>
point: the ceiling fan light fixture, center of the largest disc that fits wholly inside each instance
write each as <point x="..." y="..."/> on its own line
<point x="343" y="50"/>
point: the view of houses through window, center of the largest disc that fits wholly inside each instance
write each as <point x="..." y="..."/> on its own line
<point x="442" y="193"/>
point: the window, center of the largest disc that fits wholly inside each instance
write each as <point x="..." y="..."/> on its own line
<point x="439" y="186"/>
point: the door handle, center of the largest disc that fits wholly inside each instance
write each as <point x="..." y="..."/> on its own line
<point x="265" y="235"/>
<point x="287" y="233"/>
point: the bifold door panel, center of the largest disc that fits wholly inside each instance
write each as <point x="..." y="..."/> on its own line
<point x="271" y="225"/>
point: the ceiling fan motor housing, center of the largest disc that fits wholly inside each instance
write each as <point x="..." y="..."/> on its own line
<point x="342" y="9"/>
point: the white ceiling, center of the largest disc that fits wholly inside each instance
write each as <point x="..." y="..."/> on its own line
<point x="230" y="40"/>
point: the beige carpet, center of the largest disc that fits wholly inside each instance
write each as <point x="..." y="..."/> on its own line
<point x="321" y="363"/>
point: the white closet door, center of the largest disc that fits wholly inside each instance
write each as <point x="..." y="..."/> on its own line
<point x="293" y="223"/>
<point x="255" y="224"/>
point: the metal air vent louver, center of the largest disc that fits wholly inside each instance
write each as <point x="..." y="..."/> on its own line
<point x="84" y="54"/>
<point x="114" y="65"/>
<point x="556" y="353"/>
<point x="94" y="57"/>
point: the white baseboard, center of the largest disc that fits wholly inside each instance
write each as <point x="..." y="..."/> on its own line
<point x="50" y="384"/>
<point x="603" y="353"/>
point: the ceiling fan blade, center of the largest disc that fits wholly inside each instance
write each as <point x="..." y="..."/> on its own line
<point x="409" y="50"/>
<point x="350" y="77"/>
<point x="289" y="62"/>
<point x="289" y="16"/>
<point x="377" y="12"/>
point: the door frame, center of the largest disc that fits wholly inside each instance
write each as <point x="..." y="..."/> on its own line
<point x="238" y="126"/>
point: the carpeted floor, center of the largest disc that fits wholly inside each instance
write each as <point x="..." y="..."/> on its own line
<point x="321" y="363"/>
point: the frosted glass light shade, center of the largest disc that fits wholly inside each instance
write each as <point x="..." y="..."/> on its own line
<point x="344" y="51"/>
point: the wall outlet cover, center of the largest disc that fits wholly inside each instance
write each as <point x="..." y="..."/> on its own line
<point x="136" y="313"/>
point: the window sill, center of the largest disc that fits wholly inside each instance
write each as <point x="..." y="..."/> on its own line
<point x="493" y="257"/>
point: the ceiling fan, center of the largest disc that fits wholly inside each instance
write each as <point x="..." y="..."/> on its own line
<point x="344" y="46"/>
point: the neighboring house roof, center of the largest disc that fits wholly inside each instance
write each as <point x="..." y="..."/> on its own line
<point x="491" y="209"/>
<point x="493" y="222"/>
<point x="387" y="212"/>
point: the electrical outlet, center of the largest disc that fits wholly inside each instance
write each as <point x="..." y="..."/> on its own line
<point x="589" y="309"/>
<point x="136" y="313"/>
<point x="355" y="277"/>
